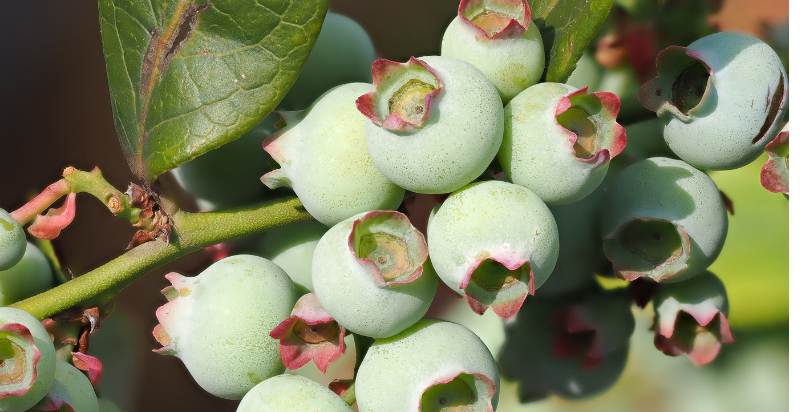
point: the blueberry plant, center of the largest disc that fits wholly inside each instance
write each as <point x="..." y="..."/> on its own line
<point x="447" y="215"/>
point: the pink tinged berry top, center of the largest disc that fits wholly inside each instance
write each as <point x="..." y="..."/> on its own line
<point x="698" y="330"/>
<point x="309" y="334"/>
<point x="275" y="144"/>
<point x="180" y="286"/>
<point x="404" y="94"/>
<point x="388" y="247"/>
<point x="501" y="281"/>
<point x="463" y="391"/>
<point x="50" y="225"/>
<point x="681" y="86"/>
<point x="90" y="365"/>
<point x="589" y="120"/>
<point x="19" y="359"/>
<point x="775" y="172"/>
<point x="496" y="19"/>
<point x="645" y="247"/>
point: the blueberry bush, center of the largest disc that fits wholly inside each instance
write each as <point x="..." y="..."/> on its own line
<point x="442" y="229"/>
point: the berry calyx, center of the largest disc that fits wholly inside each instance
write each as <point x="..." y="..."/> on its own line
<point x="309" y="334"/>
<point x="403" y="95"/>
<point x="691" y="318"/>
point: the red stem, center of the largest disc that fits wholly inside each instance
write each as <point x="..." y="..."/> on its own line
<point x="27" y="212"/>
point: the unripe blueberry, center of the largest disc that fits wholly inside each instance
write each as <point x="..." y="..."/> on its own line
<point x="370" y="273"/>
<point x="432" y="366"/>
<point x="291" y="393"/>
<point x="28" y="360"/>
<point x="558" y="140"/>
<point x="31" y="275"/>
<point x="587" y="73"/>
<point x="645" y="139"/>
<point x="342" y="54"/>
<point x="228" y="176"/>
<point x="573" y="347"/>
<point x="218" y="323"/>
<point x="663" y="220"/>
<point x="71" y="391"/>
<point x="436" y="123"/>
<point x="12" y="241"/>
<point x="499" y="39"/>
<point x="323" y="157"/>
<point x="580" y="247"/>
<point x="623" y="82"/>
<point x="309" y="334"/>
<point x="494" y="243"/>
<point x="449" y="306"/>
<point x="722" y="98"/>
<point x="691" y="318"/>
<point x="292" y="248"/>
<point x="775" y="172"/>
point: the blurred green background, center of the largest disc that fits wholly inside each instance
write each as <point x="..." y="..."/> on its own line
<point x="55" y="111"/>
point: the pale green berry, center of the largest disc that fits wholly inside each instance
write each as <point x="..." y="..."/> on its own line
<point x="494" y="243"/>
<point x="291" y="393"/>
<point x="432" y="366"/>
<point x="587" y="73"/>
<point x="435" y="123"/>
<point x="292" y="247"/>
<point x="324" y="159"/>
<point x="228" y="176"/>
<point x="31" y="275"/>
<point x="580" y="247"/>
<point x="342" y="54"/>
<point x="28" y="360"/>
<point x="12" y="241"/>
<point x="71" y="391"/>
<point x="218" y="323"/>
<point x="499" y="38"/>
<point x="370" y="273"/>
<point x="722" y="98"/>
<point x="664" y="220"/>
<point x="559" y="140"/>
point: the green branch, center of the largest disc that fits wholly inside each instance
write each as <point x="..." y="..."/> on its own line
<point x="192" y="231"/>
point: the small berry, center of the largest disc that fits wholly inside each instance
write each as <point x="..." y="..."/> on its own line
<point x="12" y="241"/>
<point x="435" y="123"/>
<point x="587" y="73"/>
<point x="775" y="172"/>
<point x="218" y="323"/>
<point x="691" y="318"/>
<point x="309" y="334"/>
<point x="228" y="176"/>
<point x="645" y="139"/>
<point x="664" y="220"/>
<point x="342" y="54"/>
<point x="31" y="275"/>
<point x="324" y="159"/>
<point x="291" y="393"/>
<point x="558" y="140"/>
<point x="449" y="306"/>
<point x="432" y="366"/>
<point x="71" y="391"/>
<point x="580" y="247"/>
<point x="571" y="347"/>
<point x="370" y="273"/>
<point x="499" y="38"/>
<point x="28" y="360"/>
<point x="494" y="243"/>
<point x="722" y="99"/>
<point x="292" y="247"/>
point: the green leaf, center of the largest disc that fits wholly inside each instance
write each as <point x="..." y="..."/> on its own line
<point x="567" y="27"/>
<point x="187" y="76"/>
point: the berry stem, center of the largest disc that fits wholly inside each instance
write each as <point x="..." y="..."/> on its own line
<point x="78" y="181"/>
<point x="192" y="231"/>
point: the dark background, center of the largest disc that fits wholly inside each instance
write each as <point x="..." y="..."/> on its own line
<point x="55" y="111"/>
